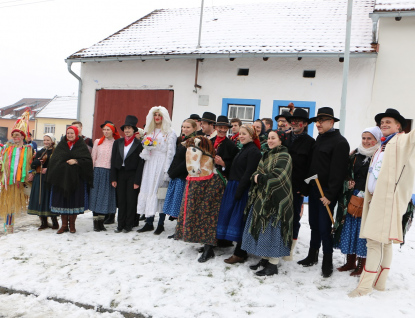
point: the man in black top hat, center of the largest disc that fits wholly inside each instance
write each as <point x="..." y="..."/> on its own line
<point x="282" y="121"/>
<point x="329" y="161"/>
<point x="197" y="118"/>
<point x="300" y="147"/>
<point x="208" y="122"/>
<point x="126" y="173"/>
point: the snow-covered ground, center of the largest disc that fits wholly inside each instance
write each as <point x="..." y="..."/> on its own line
<point x="159" y="277"/>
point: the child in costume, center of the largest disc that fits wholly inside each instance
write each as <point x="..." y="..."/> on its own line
<point x="15" y="174"/>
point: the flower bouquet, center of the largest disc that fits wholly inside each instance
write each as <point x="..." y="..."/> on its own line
<point x="149" y="143"/>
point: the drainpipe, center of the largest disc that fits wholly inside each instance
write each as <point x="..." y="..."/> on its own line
<point x="346" y="68"/>
<point x="78" y="109"/>
<point x="200" y="25"/>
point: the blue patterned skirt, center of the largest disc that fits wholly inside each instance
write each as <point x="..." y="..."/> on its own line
<point x="269" y="243"/>
<point x="174" y="197"/>
<point x="102" y="195"/>
<point x="350" y="243"/>
<point x="231" y="215"/>
<point x="76" y="203"/>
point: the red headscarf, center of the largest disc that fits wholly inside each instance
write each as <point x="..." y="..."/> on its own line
<point x="75" y="129"/>
<point x="115" y="133"/>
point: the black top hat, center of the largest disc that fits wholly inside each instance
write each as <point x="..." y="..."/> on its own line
<point x="106" y="122"/>
<point x="208" y="117"/>
<point x="195" y="117"/>
<point x="299" y="113"/>
<point x="284" y="114"/>
<point x="132" y="121"/>
<point x="390" y="112"/>
<point x="223" y="121"/>
<point x="324" y="111"/>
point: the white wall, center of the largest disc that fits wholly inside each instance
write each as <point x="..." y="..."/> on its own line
<point x="275" y="79"/>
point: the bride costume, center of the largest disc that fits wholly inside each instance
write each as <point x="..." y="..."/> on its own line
<point x="157" y="163"/>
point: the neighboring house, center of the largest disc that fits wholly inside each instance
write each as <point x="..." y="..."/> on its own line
<point x="9" y="115"/>
<point x="56" y="116"/>
<point x="252" y="61"/>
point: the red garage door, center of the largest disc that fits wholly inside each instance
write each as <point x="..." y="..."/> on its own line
<point x="115" y="104"/>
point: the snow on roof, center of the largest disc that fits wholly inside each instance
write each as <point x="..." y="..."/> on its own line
<point x="395" y="5"/>
<point x="9" y="116"/>
<point x="282" y="27"/>
<point x="27" y="101"/>
<point x="60" y="107"/>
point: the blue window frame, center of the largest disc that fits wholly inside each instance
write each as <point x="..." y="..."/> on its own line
<point x="240" y="101"/>
<point x="303" y="104"/>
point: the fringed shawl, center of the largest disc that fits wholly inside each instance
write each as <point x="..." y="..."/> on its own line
<point x="272" y="198"/>
<point x="65" y="176"/>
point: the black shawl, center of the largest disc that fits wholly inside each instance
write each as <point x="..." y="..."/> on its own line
<point x="66" y="177"/>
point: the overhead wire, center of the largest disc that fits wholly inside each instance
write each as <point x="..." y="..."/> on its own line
<point x="22" y="4"/>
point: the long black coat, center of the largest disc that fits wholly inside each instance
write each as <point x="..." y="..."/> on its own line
<point x="301" y="151"/>
<point x="178" y="165"/>
<point x="330" y="160"/>
<point x="133" y="161"/>
<point x="227" y="150"/>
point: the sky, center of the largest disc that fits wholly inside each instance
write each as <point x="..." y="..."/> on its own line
<point x="37" y="35"/>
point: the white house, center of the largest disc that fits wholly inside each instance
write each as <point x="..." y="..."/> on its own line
<point x="257" y="57"/>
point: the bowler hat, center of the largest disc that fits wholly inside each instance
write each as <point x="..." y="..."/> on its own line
<point x="284" y="114"/>
<point x="195" y="117"/>
<point x="106" y="122"/>
<point x="299" y="113"/>
<point x="223" y="121"/>
<point x="132" y="121"/>
<point x="324" y="111"/>
<point x="208" y="117"/>
<point x="390" y="112"/>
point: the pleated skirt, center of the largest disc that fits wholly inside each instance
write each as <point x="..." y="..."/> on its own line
<point x="102" y="197"/>
<point x="174" y="197"/>
<point x="39" y="202"/>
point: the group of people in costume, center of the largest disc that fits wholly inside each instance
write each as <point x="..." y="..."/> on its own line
<point x="247" y="188"/>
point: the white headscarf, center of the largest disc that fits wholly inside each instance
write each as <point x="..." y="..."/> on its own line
<point x="51" y="136"/>
<point x="166" y="123"/>
<point x="369" y="152"/>
<point x="375" y="131"/>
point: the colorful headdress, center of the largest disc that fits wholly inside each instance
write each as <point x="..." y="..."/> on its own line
<point x="22" y="124"/>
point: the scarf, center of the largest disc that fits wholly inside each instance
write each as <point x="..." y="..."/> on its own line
<point x="71" y="143"/>
<point x="68" y="177"/>
<point x="184" y="137"/>
<point x="128" y="140"/>
<point x="218" y="140"/>
<point x="368" y="152"/>
<point x="234" y="137"/>
<point x="115" y="133"/>
<point x="271" y="199"/>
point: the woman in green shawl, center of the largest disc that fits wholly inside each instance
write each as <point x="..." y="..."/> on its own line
<point x="269" y="228"/>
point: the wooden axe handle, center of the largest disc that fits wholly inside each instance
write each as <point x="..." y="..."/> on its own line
<point x="322" y="195"/>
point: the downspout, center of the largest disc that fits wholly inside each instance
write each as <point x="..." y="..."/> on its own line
<point x="78" y="108"/>
<point x="346" y="68"/>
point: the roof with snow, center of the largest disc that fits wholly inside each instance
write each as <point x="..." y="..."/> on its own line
<point x="394" y="5"/>
<point x="271" y="28"/>
<point x="15" y="110"/>
<point x="61" y="107"/>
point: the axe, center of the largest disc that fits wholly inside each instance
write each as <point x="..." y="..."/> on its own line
<point x="315" y="177"/>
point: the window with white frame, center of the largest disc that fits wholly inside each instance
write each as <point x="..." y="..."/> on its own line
<point x="49" y="129"/>
<point x="245" y="113"/>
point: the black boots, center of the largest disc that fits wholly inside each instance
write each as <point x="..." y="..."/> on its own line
<point x="99" y="223"/>
<point x="311" y="259"/>
<point x="208" y="253"/>
<point x="136" y="220"/>
<point x="327" y="267"/>
<point x="146" y="228"/>
<point x="262" y="263"/>
<point x="43" y="223"/>
<point x="268" y="270"/>
<point x="96" y="224"/>
<point x="160" y="228"/>
<point x="109" y="218"/>
<point x="55" y="224"/>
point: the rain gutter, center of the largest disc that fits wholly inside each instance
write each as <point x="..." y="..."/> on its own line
<point x="389" y="14"/>
<point x="78" y="108"/>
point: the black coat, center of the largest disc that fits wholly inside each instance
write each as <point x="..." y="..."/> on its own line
<point x="301" y="151"/>
<point x="360" y="171"/>
<point x="330" y="160"/>
<point x="244" y="165"/>
<point x="178" y="165"/>
<point x="36" y="162"/>
<point x="133" y="161"/>
<point x="227" y="150"/>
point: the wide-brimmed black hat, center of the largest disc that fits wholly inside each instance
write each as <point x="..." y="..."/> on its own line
<point x="301" y="114"/>
<point x="284" y="114"/>
<point x="390" y="112"/>
<point x="208" y="117"/>
<point x="106" y="122"/>
<point x="223" y="121"/>
<point x="194" y="117"/>
<point x="132" y="121"/>
<point x="324" y="111"/>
